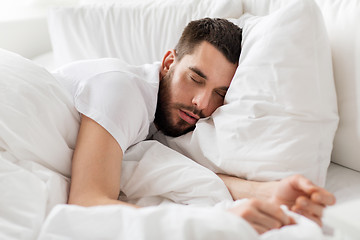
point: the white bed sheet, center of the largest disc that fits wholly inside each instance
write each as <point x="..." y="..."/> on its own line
<point x="342" y="221"/>
<point x="344" y="183"/>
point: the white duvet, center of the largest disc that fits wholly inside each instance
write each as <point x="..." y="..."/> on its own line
<point x="38" y="128"/>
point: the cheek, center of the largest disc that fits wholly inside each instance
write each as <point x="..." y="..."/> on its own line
<point x="215" y="104"/>
<point x="181" y="90"/>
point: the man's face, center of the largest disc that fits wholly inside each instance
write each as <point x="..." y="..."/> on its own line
<point x="191" y="88"/>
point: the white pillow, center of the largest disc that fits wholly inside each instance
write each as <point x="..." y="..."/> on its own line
<point x="341" y="21"/>
<point x="136" y="31"/>
<point x="280" y="115"/>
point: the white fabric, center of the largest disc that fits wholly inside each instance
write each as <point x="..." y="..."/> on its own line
<point x="38" y="126"/>
<point x="25" y="88"/>
<point x="119" y="222"/>
<point x="343" y="182"/>
<point x="280" y="115"/>
<point x="190" y="223"/>
<point x="341" y="19"/>
<point x="153" y="180"/>
<point x="136" y="31"/>
<point x="303" y="229"/>
<point x="23" y="202"/>
<point x="341" y="221"/>
<point x="46" y="60"/>
<point x="120" y="97"/>
<point x="33" y="175"/>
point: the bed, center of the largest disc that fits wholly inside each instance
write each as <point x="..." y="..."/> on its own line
<point x="292" y="108"/>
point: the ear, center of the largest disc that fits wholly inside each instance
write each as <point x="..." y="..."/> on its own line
<point x="168" y="60"/>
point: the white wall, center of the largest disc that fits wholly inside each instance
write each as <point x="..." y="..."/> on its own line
<point x="28" y="37"/>
<point x="23" y="25"/>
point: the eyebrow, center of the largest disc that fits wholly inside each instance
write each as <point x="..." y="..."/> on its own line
<point x="198" y="72"/>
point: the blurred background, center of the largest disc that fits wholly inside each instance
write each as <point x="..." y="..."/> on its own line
<point x="23" y="25"/>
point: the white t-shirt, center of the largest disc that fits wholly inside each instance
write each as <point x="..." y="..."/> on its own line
<point x="120" y="97"/>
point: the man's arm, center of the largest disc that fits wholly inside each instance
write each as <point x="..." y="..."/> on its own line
<point x="96" y="167"/>
<point x="241" y="188"/>
<point x="296" y="192"/>
<point x="96" y="173"/>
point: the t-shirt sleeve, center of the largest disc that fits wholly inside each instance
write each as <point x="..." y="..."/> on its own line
<point x="117" y="101"/>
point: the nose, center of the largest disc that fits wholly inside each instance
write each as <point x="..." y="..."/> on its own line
<point x="202" y="99"/>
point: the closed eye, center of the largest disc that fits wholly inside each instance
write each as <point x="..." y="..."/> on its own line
<point x="221" y="93"/>
<point x="195" y="80"/>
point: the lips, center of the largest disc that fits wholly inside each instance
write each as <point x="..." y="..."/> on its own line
<point x="188" y="117"/>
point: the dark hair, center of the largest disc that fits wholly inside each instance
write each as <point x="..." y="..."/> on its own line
<point x="222" y="34"/>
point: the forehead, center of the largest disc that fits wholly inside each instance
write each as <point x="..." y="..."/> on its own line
<point x="210" y="64"/>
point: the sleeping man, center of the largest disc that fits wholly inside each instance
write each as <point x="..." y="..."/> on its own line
<point x="121" y="105"/>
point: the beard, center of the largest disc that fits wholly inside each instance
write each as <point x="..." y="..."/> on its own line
<point x="164" y="121"/>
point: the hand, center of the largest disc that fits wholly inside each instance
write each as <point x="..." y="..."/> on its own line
<point x="262" y="215"/>
<point x="303" y="197"/>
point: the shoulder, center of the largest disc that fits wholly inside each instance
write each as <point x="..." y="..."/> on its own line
<point x="123" y="81"/>
<point x="122" y="101"/>
<point x="85" y="69"/>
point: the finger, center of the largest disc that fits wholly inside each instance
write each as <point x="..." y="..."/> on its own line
<point x="318" y="194"/>
<point x="255" y="215"/>
<point x="259" y="229"/>
<point x="316" y="219"/>
<point x="274" y="211"/>
<point x="308" y="215"/>
<point x="306" y="205"/>
<point x="265" y="214"/>
<point x="302" y="184"/>
<point x="292" y="221"/>
<point x="250" y="211"/>
<point x="323" y="197"/>
<point x="266" y="221"/>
